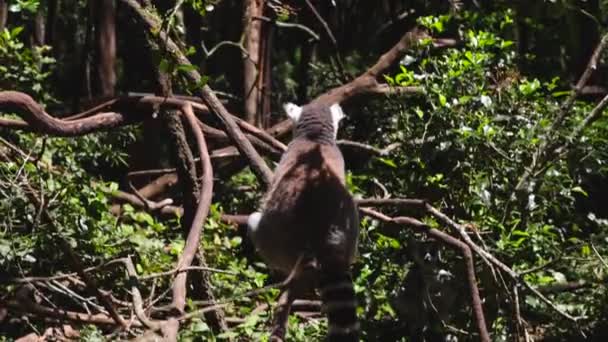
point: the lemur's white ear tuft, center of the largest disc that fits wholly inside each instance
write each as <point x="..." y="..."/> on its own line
<point x="336" y="114"/>
<point x="293" y="111"/>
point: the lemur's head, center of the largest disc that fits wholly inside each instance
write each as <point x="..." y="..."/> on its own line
<point x="315" y="121"/>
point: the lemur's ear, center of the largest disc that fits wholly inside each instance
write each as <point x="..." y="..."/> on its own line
<point x="293" y="111"/>
<point x="336" y="114"/>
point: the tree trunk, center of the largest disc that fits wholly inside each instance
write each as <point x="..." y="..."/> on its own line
<point x="38" y="32"/>
<point x="3" y="13"/>
<point x="252" y="29"/>
<point x="265" y="79"/>
<point x="106" y="45"/>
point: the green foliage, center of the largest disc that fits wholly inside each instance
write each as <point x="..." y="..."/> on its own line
<point x="23" y="68"/>
<point x="475" y="134"/>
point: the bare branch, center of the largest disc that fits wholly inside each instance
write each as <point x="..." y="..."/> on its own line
<point x="367" y="81"/>
<point x="204" y="202"/>
<point x="37" y="119"/>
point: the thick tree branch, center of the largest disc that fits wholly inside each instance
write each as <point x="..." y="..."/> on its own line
<point x="368" y="81"/>
<point x="37" y="119"/>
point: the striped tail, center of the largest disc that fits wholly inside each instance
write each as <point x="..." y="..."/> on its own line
<point x="340" y="305"/>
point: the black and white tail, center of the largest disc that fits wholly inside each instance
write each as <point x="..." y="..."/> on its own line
<point x="340" y="306"/>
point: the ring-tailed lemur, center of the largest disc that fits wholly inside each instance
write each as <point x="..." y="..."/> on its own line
<point x="309" y="212"/>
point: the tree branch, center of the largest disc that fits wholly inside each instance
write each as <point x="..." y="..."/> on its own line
<point x="367" y="82"/>
<point x="38" y="120"/>
<point x="204" y="202"/>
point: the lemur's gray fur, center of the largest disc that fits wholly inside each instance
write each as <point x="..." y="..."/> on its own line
<point x="309" y="212"/>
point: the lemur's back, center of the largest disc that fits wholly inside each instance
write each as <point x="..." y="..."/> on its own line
<point x="315" y="213"/>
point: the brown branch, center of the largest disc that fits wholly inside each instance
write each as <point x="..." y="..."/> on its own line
<point x="204" y="202"/>
<point x="395" y="90"/>
<point x="138" y="304"/>
<point x="368" y="148"/>
<point x="408" y="202"/>
<point x="544" y="152"/>
<point x="36" y="119"/>
<point x="45" y="311"/>
<point x="367" y="82"/>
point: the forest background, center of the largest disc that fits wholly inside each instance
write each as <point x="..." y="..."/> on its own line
<point x="136" y="137"/>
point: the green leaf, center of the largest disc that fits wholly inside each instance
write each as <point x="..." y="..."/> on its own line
<point x="442" y="100"/>
<point x="388" y="162"/>
<point x="579" y="190"/>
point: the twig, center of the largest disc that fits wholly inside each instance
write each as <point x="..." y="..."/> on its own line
<point x="136" y="296"/>
<point x="185" y="269"/>
<point x="368" y="148"/>
<point x="90" y="281"/>
<point x="283" y="24"/>
<point x="599" y="256"/>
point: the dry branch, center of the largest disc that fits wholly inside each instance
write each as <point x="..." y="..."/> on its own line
<point x="461" y="231"/>
<point x="367" y="82"/>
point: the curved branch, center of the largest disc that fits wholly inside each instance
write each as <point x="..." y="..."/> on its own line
<point x="194" y="235"/>
<point x="37" y="119"/>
